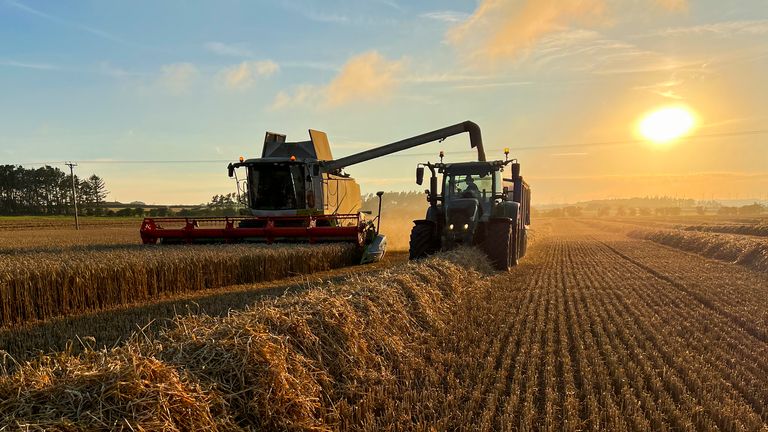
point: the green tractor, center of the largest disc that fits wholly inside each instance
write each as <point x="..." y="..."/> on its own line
<point x="485" y="204"/>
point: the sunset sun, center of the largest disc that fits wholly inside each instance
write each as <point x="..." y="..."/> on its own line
<point x="667" y="124"/>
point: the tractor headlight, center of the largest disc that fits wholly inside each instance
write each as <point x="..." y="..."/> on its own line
<point x="466" y="227"/>
<point x="450" y="227"/>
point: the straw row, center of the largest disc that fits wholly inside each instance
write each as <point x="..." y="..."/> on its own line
<point x="747" y="251"/>
<point x="42" y="285"/>
<point x="316" y="361"/>
<point x="760" y="230"/>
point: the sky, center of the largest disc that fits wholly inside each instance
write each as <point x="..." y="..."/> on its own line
<point x="157" y="97"/>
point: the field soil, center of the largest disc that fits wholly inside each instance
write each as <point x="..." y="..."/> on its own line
<point x="599" y="331"/>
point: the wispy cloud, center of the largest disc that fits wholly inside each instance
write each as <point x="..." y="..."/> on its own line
<point x="111" y="70"/>
<point x="589" y="51"/>
<point x="27" y="65"/>
<point x="391" y="4"/>
<point x="301" y="95"/>
<point x="673" y="5"/>
<point x="367" y="77"/>
<point x="229" y="50"/>
<point x="493" y="85"/>
<point x="178" y="77"/>
<point x="65" y="22"/>
<point x="573" y="154"/>
<point x="321" y="66"/>
<point x="243" y="75"/>
<point x="348" y="13"/>
<point x="504" y="29"/>
<point x="723" y="29"/>
<point x="447" y="16"/>
<point x="664" y="89"/>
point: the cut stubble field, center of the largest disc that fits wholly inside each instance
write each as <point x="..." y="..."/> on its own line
<point x="595" y="330"/>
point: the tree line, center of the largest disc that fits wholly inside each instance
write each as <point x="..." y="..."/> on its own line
<point x="48" y="191"/>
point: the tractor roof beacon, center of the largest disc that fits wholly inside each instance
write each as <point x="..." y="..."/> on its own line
<point x="485" y="204"/>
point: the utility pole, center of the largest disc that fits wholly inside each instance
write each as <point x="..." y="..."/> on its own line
<point x="72" y="166"/>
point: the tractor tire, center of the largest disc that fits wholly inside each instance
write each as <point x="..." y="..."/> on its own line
<point x="422" y="242"/>
<point x="501" y="245"/>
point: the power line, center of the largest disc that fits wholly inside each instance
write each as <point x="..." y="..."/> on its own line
<point x="600" y="143"/>
<point x="406" y="154"/>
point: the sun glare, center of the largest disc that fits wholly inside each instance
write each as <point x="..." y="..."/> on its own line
<point x="667" y="124"/>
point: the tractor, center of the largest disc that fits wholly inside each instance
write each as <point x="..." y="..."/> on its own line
<point x="485" y="204"/>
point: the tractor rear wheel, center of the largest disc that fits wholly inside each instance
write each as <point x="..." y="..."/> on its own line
<point x="501" y="245"/>
<point x="422" y="242"/>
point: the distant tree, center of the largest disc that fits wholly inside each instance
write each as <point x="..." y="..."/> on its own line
<point x="621" y="211"/>
<point x="125" y="212"/>
<point x="41" y="191"/>
<point x="701" y="210"/>
<point x="98" y="190"/>
<point x="632" y="211"/>
<point x="751" y="210"/>
<point x="555" y="212"/>
<point x="160" y="212"/>
<point x="573" y="211"/>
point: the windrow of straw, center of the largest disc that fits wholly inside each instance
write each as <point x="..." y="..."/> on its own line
<point x="42" y="285"/>
<point x="760" y="230"/>
<point x="746" y="251"/>
<point x="333" y="357"/>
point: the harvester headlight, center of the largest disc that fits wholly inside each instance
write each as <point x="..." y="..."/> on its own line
<point x="450" y="227"/>
<point x="466" y="226"/>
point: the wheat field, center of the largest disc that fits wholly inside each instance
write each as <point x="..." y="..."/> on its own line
<point x="42" y="284"/>
<point x="595" y="330"/>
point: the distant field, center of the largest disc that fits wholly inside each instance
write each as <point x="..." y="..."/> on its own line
<point x="59" y="232"/>
<point x="23" y="233"/>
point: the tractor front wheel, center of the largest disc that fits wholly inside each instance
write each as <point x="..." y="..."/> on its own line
<point x="422" y="242"/>
<point x="501" y="244"/>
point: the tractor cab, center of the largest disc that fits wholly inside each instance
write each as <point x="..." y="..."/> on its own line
<point x="470" y="191"/>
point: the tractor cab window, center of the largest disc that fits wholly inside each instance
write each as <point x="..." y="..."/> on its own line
<point x="276" y="186"/>
<point x="469" y="186"/>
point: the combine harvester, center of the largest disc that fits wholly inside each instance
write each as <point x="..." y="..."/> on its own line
<point x="298" y="193"/>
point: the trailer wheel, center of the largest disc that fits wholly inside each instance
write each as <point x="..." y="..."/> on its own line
<point x="422" y="242"/>
<point x="501" y="245"/>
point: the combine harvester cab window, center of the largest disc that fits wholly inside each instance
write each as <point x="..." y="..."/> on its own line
<point x="277" y="186"/>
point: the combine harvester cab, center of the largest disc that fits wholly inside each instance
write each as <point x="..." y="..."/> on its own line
<point x="297" y="192"/>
